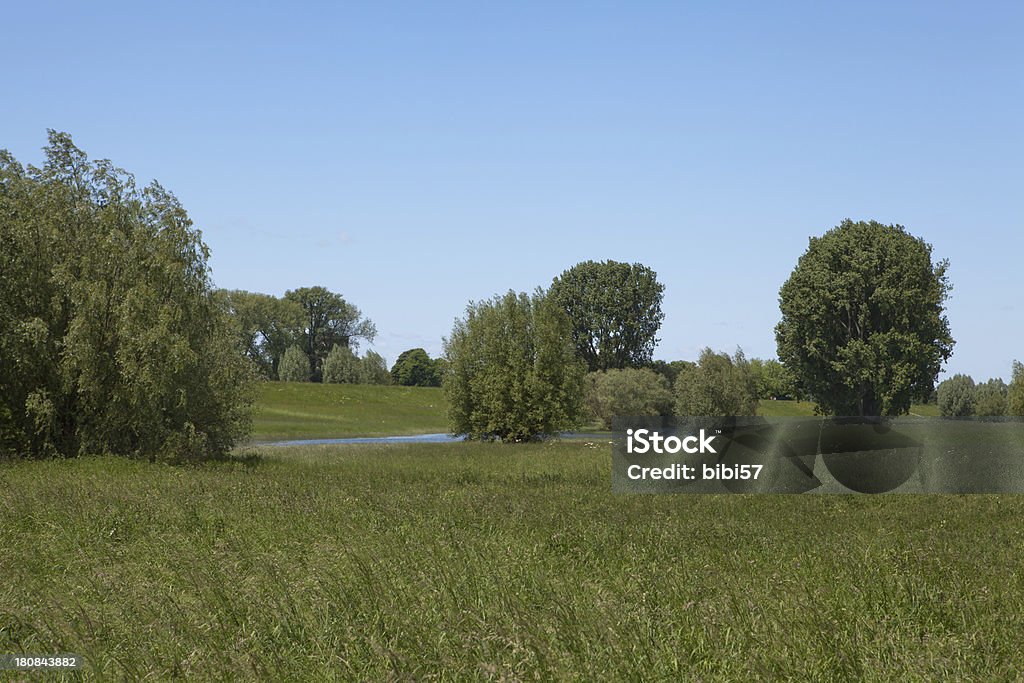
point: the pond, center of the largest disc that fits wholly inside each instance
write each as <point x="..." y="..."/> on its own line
<point x="413" y="438"/>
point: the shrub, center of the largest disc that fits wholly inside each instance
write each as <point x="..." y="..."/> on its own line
<point x="512" y="373"/>
<point x="1015" y="392"/>
<point x="627" y="392"/>
<point x="373" y="369"/>
<point x="990" y="398"/>
<point x="341" y="366"/>
<point x="719" y="385"/>
<point x="956" y="396"/>
<point x="294" y="366"/>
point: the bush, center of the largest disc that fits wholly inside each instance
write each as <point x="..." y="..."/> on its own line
<point x="111" y="338"/>
<point x="956" y="396"/>
<point x="1015" y="392"/>
<point x="625" y="393"/>
<point x="341" y="366"/>
<point x="414" y="368"/>
<point x="512" y="373"/>
<point x="719" y="385"/>
<point x="373" y="369"/>
<point x="294" y="366"/>
<point x="990" y="398"/>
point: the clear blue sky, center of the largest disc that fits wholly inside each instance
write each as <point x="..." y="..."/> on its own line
<point x="415" y="156"/>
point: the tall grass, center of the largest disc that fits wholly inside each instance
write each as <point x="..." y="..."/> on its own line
<point x="467" y="561"/>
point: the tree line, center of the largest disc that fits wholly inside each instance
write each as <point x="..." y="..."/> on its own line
<point x="959" y="396"/>
<point x="863" y="333"/>
<point x="114" y="340"/>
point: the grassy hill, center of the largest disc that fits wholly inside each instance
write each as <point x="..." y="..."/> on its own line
<point x="300" y="410"/>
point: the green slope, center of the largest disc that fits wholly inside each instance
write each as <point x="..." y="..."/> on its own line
<point x="297" y="410"/>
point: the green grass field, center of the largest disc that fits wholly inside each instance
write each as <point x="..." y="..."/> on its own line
<point x="301" y="410"/>
<point x="484" y="561"/>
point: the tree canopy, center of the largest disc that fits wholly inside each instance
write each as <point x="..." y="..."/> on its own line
<point x="111" y="337"/>
<point x="415" y="368"/>
<point x="328" y="320"/>
<point x="511" y="372"/>
<point x="955" y="396"/>
<point x="615" y="312"/>
<point x="863" y="327"/>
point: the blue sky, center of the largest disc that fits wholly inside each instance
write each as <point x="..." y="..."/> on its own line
<point x="415" y="156"/>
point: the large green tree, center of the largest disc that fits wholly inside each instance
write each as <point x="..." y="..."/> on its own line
<point x="266" y="325"/>
<point x="511" y="371"/>
<point x="415" y="368"/>
<point x="863" y="327"/>
<point x="111" y="338"/>
<point x="328" y="320"/>
<point x="615" y="311"/>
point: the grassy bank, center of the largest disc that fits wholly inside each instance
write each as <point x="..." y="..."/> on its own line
<point x="486" y="561"/>
<point x="300" y="410"/>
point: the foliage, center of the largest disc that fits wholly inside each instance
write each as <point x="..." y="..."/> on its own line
<point x="863" y="327"/>
<point x="615" y="310"/>
<point x="956" y="396"/>
<point x="328" y="320"/>
<point x="773" y="379"/>
<point x="110" y="336"/>
<point x="719" y="385"/>
<point x="266" y="325"/>
<point x="1015" y="392"/>
<point x="342" y="366"/>
<point x="512" y="372"/>
<point x="415" y="368"/>
<point x="373" y="369"/>
<point x="294" y="365"/>
<point x="670" y="369"/>
<point x="990" y="398"/>
<point x="626" y="393"/>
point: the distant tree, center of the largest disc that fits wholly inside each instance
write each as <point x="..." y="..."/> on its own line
<point x="956" y="396"/>
<point x="328" y="320"/>
<point x="615" y="311"/>
<point x="341" y="366"/>
<point x="990" y="398"/>
<point x="294" y="365"/>
<point x="772" y="379"/>
<point x="111" y="338"/>
<point x="415" y="368"/>
<point x="670" y="370"/>
<point x="719" y="385"/>
<point x="511" y="369"/>
<point x="863" y="326"/>
<point x="629" y="392"/>
<point x="373" y="369"/>
<point x="1015" y="392"/>
<point x="266" y="325"/>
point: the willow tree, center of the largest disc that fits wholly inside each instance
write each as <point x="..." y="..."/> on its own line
<point x="111" y="338"/>
<point x="510" y="369"/>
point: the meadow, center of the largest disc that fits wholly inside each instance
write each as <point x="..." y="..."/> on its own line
<point x="304" y="410"/>
<point x="487" y="562"/>
<point x="484" y="561"/>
